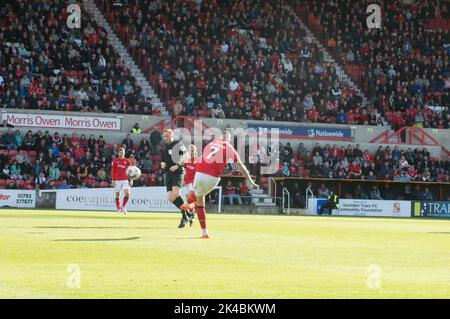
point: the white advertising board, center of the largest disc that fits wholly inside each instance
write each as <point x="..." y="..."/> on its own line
<point x="363" y="207"/>
<point x="17" y="198"/>
<point x="62" y="121"/>
<point x="142" y="199"/>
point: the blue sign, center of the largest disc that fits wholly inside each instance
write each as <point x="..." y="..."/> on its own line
<point x="320" y="203"/>
<point x="305" y="132"/>
<point x="432" y="209"/>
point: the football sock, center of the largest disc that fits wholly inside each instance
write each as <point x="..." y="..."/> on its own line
<point x="179" y="203"/>
<point x="125" y="200"/>
<point x="201" y="216"/>
<point x="118" y="203"/>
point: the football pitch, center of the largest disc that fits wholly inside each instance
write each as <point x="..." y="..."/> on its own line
<point x="72" y="254"/>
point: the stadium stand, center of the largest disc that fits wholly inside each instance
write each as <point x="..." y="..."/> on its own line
<point x="403" y="67"/>
<point x="244" y="60"/>
<point x="39" y="159"/>
<point x="240" y="40"/>
<point x="46" y="66"/>
<point x="269" y="69"/>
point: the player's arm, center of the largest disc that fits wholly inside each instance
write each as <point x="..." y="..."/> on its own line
<point x="244" y="171"/>
<point x="113" y="173"/>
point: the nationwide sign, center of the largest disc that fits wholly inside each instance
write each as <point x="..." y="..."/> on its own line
<point x="62" y="121"/>
<point x="432" y="209"/>
<point x="305" y="132"/>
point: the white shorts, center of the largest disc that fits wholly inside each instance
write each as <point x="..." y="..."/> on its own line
<point x="188" y="187"/>
<point x="204" y="184"/>
<point x="122" y="185"/>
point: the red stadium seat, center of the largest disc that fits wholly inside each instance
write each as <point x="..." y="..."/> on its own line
<point x="12" y="152"/>
<point x="3" y="182"/>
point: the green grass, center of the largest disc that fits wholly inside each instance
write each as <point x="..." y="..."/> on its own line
<point x="145" y="256"/>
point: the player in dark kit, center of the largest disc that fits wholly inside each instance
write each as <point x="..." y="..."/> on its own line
<point x="172" y="164"/>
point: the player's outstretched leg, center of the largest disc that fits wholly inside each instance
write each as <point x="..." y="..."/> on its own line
<point x="202" y="219"/>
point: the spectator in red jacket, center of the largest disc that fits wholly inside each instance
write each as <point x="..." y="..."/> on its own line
<point x="354" y="171"/>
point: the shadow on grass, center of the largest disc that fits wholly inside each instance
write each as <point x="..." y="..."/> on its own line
<point x="439" y="232"/>
<point x="97" y="239"/>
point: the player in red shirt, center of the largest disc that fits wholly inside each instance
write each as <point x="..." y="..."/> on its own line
<point x="120" y="179"/>
<point x="189" y="166"/>
<point x="215" y="157"/>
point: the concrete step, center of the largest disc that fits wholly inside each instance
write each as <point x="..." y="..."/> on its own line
<point x="328" y="58"/>
<point x="265" y="204"/>
<point x="257" y="191"/>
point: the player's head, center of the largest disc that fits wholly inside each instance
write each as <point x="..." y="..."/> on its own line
<point x="167" y="135"/>
<point x="192" y="151"/>
<point x="121" y="152"/>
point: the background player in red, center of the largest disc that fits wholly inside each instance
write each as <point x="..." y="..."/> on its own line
<point x="120" y="179"/>
<point x="189" y="177"/>
<point x="215" y="157"/>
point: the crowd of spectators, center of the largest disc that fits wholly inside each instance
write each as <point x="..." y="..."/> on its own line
<point x="45" y="161"/>
<point x="239" y="59"/>
<point x="352" y="162"/>
<point x="234" y="59"/>
<point x="406" y="61"/>
<point x="44" y="65"/>
<point x="238" y="191"/>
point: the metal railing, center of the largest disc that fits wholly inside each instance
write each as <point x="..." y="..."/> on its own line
<point x="285" y="194"/>
<point x="307" y="192"/>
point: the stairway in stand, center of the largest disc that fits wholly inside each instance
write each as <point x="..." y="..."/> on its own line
<point x="128" y="61"/>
